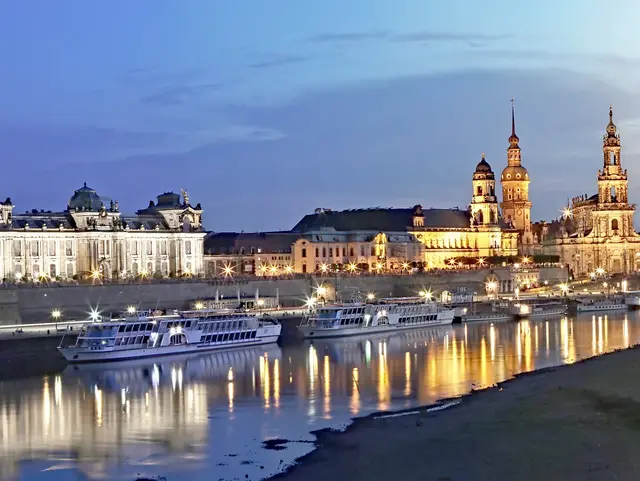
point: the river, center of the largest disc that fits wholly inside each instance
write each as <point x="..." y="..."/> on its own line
<point x="205" y="417"/>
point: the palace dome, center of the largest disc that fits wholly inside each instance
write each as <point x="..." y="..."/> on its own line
<point x="515" y="173"/>
<point x="85" y="198"/>
<point x="483" y="166"/>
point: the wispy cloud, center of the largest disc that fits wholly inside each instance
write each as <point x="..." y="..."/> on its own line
<point x="349" y="36"/>
<point x="279" y="61"/>
<point x="180" y="94"/>
<point x="471" y="39"/>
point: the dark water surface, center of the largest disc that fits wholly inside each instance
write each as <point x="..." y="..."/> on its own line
<point x="204" y="417"/>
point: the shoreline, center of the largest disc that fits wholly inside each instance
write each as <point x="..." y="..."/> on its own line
<point x="338" y="453"/>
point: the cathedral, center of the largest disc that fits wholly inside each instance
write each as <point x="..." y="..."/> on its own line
<point x="598" y="231"/>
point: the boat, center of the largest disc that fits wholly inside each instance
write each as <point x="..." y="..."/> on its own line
<point x="387" y="315"/>
<point x="608" y="304"/>
<point x="486" y="317"/>
<point x="143" y="335"/>
<point x="632" y="300"/>
<point x="530" y="311"/>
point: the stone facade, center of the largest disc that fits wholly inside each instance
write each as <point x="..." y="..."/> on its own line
<point x="91" y="238"/>
<point x="598" y="231"/>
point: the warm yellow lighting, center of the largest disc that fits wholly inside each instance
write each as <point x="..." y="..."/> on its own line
<point x="324" y="268"/>
<point x="143" y="273"/>
<point x="525" y="260"/>
<point x="274" y="270"/>
<point x="481" y="261"/>
<point x="564" y="288"/>
<point x="95" y="274"/>
<point x="452" y="262"/>
<point x="516" y="265"/>
<point x="371" y="296"/>
<point x="405" y="265"/>
<point x="605" y="285"/>
<point x="491" y="286"/>
<point x="426" y="294"/>
<point x="260" y="302"/>
<point x="524" y="309"/>
<point x="131" y="309"/>
<point x="310" y="302"/>
<point x="288" y="269"/>
<point x="56" y="313"/>
<point x="199" y="305"/>
<point x="379" y="266"/>
<point x="230" y="375"/>
<point x="321" y="291"/>
<point x="600" y="271"/>
<point x="352" y="267"/>
<point x="227" y="270"/>
<point x="567" y="213"/>
<point x="262" y="268"/>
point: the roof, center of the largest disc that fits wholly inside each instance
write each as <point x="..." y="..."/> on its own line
<point x="85" y="198"/>
<point x="234" y="242"/>
<point x="377" y="219"/>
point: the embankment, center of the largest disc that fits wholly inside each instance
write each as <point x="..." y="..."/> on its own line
<point x="21" y="358"/>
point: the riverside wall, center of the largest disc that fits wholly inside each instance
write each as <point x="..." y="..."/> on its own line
<point x="35" y="304"/>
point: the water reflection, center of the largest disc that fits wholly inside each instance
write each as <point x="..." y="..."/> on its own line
<point x="192" y="413"/>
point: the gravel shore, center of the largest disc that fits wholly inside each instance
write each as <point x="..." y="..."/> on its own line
<point x="579" y="422"/>
<point x="29" y="357"/>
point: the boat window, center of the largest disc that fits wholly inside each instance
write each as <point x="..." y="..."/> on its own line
<point x="187" y="324"/>
<point x="253" y="334"/>
<point x="128" y="328"/>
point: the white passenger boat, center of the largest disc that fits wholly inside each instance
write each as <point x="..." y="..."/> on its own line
<point x="487" y="317"/>
<point x="632" y="300"/>
<point x="387" y="315"/>
<point x="608" y="304"/>
<point x="531" y="311"/>
<point x="145" y="335"/>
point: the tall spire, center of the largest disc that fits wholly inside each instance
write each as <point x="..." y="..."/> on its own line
<point x="611" y="127"/>
<point x="513" y="140"/>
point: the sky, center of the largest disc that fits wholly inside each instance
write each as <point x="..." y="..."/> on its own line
<point x="264" y="110"/>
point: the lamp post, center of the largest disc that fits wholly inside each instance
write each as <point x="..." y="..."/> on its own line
<point x="55" y="314"/>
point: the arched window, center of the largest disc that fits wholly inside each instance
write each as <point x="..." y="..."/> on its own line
<point x="241" y="251"/>
<point x="253" y="250"/>
<point x="304" y="252"/>
<point x="614" y="224"/>
<point x="613" y="193"/>
<point x="479" y="190"/>
<point x="480" y="217"/>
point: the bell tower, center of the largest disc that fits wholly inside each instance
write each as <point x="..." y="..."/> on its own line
<point x="516" y="207"/>
<point x="613" y="215"/>
<point x="484" y="204"/>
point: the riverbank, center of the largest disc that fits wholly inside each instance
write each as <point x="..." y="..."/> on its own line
<point x="576" y="422"/>
<point x="29" y="357"/>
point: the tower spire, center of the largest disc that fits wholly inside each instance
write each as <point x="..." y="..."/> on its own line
<point x="513" y="140"/>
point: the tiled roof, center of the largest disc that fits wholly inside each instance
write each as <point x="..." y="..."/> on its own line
<point x="234" y="242"/>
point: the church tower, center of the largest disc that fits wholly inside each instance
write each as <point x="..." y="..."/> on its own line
<point x="613" y="214"/>
<point x="484" y="204"/>
<point x="516" y="208"/>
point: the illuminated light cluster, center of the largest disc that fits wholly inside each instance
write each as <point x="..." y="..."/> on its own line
<point x="352" y="268"/>
<point x="199" y="305"/>
<point x="131" y="309"/>
<point x="426" y="294"/>
<point x="481" y="261"/>
<point x="228" y="270"/>
<point x="95" y="275"/>
<point x="56" y="314"/>
<point x="371" y="296"/>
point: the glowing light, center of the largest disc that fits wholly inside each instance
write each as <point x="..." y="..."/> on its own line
<point x="564" y="288"/>
<point x="566" y="212"/>
<point x="94" y="315"/>
<point x="405" y="265"/>
<point x="600" y="271"/>
<point x="371" y="296"/>
<point x="310" y="302"/>
<point x="95" y="275"/>
<point x="56" y="313"/>
<point x="321" y="291"/>
<point x="288" y="269"/>
<point x="199" y="306"/>
<point x="605" y="285"/>
<point x="324" y="268"/>
<point x="352" y="267"/>
<point x="227" y="270"/>
<point x="379" y="266"/>
<point x="452" y="262"/>
<point x="131" y="309"/>
<point x="274" y="270"/>
<point x="492" y="285"/>
<point x="516" y="265"/>
<point x="262" y="268"/>
<point x="526" y="260"/>
<point x="524" y="309"/>
<point x="481" y="261"/>
<point x="143" y="273"/>
<point x="230" y="375"/>
<point x="260" y="302"/>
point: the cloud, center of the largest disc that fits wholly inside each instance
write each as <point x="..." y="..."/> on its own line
<point x="181" y="94"/>
<point x="279" y="61"/>
<point x="471" y="39"/>
<point x="348" y="36"/>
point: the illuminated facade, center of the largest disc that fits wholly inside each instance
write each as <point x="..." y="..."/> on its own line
<point x="92" y="238"/>
<point x="372" y="239"/>
<point x="598" y="231"/>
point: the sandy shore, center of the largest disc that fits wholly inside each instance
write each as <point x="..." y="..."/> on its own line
<point x="578" y="422"/>
<point x="30" y="357"/>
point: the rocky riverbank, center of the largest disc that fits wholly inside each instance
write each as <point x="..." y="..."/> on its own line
<point x="576" y="422"/>
<point x="30" y="357"/>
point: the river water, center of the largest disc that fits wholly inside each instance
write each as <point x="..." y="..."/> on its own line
<point x="205" y="417"/>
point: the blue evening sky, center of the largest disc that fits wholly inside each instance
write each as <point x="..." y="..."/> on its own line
<point x="264" y="110"/>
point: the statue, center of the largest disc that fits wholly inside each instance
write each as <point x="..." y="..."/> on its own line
<point x="185" y="196"/>
<point x="116" y="207"/>
<point x="111" y="205"/>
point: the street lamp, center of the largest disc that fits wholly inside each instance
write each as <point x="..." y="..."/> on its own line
<point x="56" y="315"/>
<point x="260" y="305"/>
<point x="131" y="309"/>
<point x="371" y="296"/>
<point x="199" y="306"/>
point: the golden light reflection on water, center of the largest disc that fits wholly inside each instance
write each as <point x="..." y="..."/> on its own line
<point x="100" y="414"/>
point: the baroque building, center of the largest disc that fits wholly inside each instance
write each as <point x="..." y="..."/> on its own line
<point x="516" y="207"/>
<point x="372" y="239"/>
<point x="92" y="238"/>
<point x="598" y="231"/>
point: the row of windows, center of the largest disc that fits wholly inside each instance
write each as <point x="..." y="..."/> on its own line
<point x="128" y="341"/>
<point x="222" y="326"/>
<point x="337" y="252"/>
<point x="418" y="319"/>
<point x="352" y="321"/>
<point x="229" y="336"/>
<point x="36" y="247"/>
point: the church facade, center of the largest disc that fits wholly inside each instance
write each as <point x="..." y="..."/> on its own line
<point x="598" y="231"/>
<point x="92" y="238"/>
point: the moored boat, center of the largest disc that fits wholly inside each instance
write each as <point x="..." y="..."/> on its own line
<point x="608" y="304"/>
<point x="386" y="315"/>
<point x="530" y="311"/>
<point x="145" y="335"/>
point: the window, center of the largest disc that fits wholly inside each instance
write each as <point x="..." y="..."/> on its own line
<point x="479" y="190"/>
<point x="344" y="252"/>
<point x="101" y="248"/>
<point x="134" y="248"/>
<point x="36" y="271"/>
<point x="149" y="268"/>
<point x="52" y="271"/>
<point x="330" y="251"/>
<point x="373" y="251"/>
<point x="304" y="252"/>
<point x="134" y="268"/>
<point x="69" y="269"/>
<point x="304" y="268"/>
<point x="614" y="224"/>
<point x="317" y="252"/>
<point x="149" y="248"/>
<point x="52" y="247"/>
<point x="351" y="252"/>
<point x="68" y="248"/>
<point x="241" y="251"/>
<point x="35" y="251"/>
<point x="187" y="247"/>
<point x="188" y="266"/>
<point x="324" y="252"/>
<point x="362" y="251"/>
<point x="17" y="248"/>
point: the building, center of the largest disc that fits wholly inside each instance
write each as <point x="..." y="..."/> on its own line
<point x="92" y="238"/>
<point x="374" y="239"/>
<point x="516" y="207"/>
<point x="598" y="230"/>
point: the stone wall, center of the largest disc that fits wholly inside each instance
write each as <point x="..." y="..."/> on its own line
<point x="35" y="304"/>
